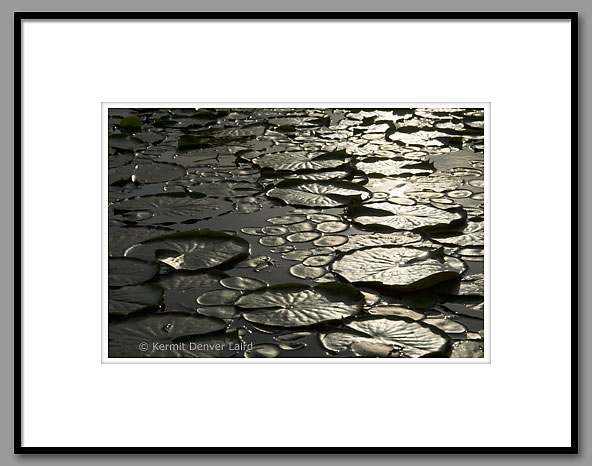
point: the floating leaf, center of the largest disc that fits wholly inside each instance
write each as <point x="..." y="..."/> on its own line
<point x="191" y="281"/>
<point x="122" y="238"/>
<point x="128" y="271"/>
<point x="397" y="238"/>
<point x="397" y="311"/>
<point x="405" y="217"/>
<point x="222" y="312"/>
<point x="332" y="227"/>
<point x="162" y="335"/>
<point x="218" y="297"/>
<point x="172" y="207"/>
<point x="303" y="237"/>
<point x="125" y="142"/>
<point x="317" y="194"/>
<point x="332" y="240"/>
<point x="294" y="305"/>
<point x="446" y="325"/>
<point x="296" y="161"/>
<point x="405" y="268"/>
<point x="286" y="219"/>
<point x="307" y="272"/>
<point x="272" y="240"/>
<point x="193" y="250"/>
<point x="125" y="300"/>
<point x="242" y="283"/>
<point x="467" y="349"/>
<point x="157" y="172"/>
<point x="392" y="167"/>
<point x="405" y="336"/>
<point x="263" y="350"/>
<point x="472" y="235"/>
<point x="130" y="124"/>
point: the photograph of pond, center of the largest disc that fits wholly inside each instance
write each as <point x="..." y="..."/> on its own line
<point x="296" y="232"/>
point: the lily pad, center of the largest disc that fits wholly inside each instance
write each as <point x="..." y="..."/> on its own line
<point x="390" y="167"/>
<point x="472" y="235"/>
<point x="172" y="207"/>
<point x="404" y="217"/>
<point x="221" y="297"/>
<point x="242" y="283"/>
<point x="405" y="336"/>
<point x="122" y="238"/>
<point x="193" y="250"/>
<point x="263" y="350"/>
<point x="332" y="227"/>
<point x="162" y="335"/>
<point x="318" y="194"/>
<point x="307" y="272"/>
<point x="222" y="312"/>
<point x="467" y="349"/>
<point x="128" y="271"/>
<point x="295" y="305"/>
<point x="397" y="238"/>
<point x="157" y="172"/>
<point x="303" y="237"/>
<point x="296" y="161"/>
<point x="125" y="300"/>
<point x="399" y="267"/>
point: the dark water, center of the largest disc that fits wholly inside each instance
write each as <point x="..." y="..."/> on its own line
<point x="235" y="158"/>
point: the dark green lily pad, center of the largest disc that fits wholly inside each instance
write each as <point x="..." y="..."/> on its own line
<point x="192" y="250"/>
<point x="122" y="238"/>
<point x="128" y="271"/>
<point x="295" y="305"/>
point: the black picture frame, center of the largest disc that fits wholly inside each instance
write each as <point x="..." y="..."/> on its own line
<point x="19" y="17"/>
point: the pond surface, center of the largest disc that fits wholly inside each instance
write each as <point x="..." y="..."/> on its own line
<point x="296" y="233"/>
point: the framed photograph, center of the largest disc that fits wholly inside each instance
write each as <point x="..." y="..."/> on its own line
<point x="274" y="214"/>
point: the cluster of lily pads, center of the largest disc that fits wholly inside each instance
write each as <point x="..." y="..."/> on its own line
<point x="268" y="232"/>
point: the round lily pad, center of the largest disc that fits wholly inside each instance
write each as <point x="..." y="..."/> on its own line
<point x="408" y="217"/>
<point x="305" y="271"/>
<point x="222" y="312"/>
<point x="263" y="350"/>
<point x="332" y="227"/>
<point x="128" y="271"/>
<point x="319" y="193"/>
<point x="242" y="283"/>
<point x="157" y="172"/>
<point x="400" y="267"/>
<point x="125" y="300"/>
<point x="303" y="237"/>
<point x="161" y="335"/>
<point x="171" y="207"/>
<point x="405" y="336"/>
<point x="218" y="297"/>
<point x="294" y="305"/>
<point x="331" y="240"/>
<point x="192" y="250"/>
